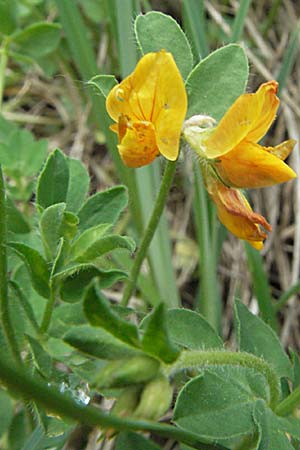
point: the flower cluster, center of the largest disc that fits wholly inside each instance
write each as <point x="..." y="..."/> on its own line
<point x="149" y="108"/>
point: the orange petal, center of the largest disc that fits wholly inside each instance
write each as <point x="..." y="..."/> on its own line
<point x="251" y="166"/>
<point x="236" y="214"/>
<point x="249" y="118"/>
<point x="154" y="92"/>
<point x="138" y="145"/>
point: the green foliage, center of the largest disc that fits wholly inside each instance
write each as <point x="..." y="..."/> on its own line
<point x="99" y="313"/>
<point x="156" y="340"/>
<point x="156" y="31"/>
<point x="37" y="40"/>
<point x="131" y="441"/>
<point x="217" y="81"/>
<point x="64" y="251"/>
<point x="190" y="330"/>
<point x="255" y="336"/>
<point x="218" y="404"/>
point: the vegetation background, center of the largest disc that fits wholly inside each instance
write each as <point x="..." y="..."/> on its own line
<point x="47" y="93"/>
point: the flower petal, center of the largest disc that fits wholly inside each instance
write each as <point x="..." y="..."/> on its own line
<point x="236" y="214"/>
<point x="138" y="145"/>
<point x="248" y="118"/>
<point x="250" y="166"/>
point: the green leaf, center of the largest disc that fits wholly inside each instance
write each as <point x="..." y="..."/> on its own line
<point x="36" y="266"/>
<point x="73" y="287"/>
<point x="102" y="246"/>
<point x="103" y="207"/>
<point x="38" y="39"/>
<point x="79" y="182"/>
<point x="218" y="404"/>
<point x="270" y="435"/>
<point x="20" y="153"/>
<point x="156" y="31"/>
<point x="8" y="16"/>
<point x="255" y="336"/>
<point x="216" y="82"/>
<point x="98" y="343"/>
<point x="156" y="340"/>
<point x="189" y="329"/>
<point x="103" y="84"/>
<point x="16" y="221"/>
<point x="55" y="223"/>
<point x="53" y="182"/>
<point x="99" y="313"/>
<point x="134" y="441"/>
<point x="6" y="411"/>
<point x="87" y="238"/>
<point x="42" y="359"/>
<point x="17" y="431"/>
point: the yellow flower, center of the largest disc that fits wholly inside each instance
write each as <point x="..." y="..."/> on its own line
<point x="231" y="158"/>
<point x="239" y="160"/>
<point x="149" y="107"/>
<point x="236" y="214"/>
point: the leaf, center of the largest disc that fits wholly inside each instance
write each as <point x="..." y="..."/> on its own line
<point x="156" y="339"/>
<point x="56" y="223"/>
<point x="6" y="411"/>
<point x="36" y="266"/>
<point x="216" y="82"/>
<point x="218" y="404"/>
<point x="103" y="207"/>
<point x="99" y="313"/>
<point x="270" y="436"/>
<point x="38" y="39"/>
<point x="53" y="182"/>
<point x="87" y="238"/>
<point x="102" y="246"/>
<point x="133" y="441"/>
<point x="79" y="182"/>
<point x="42" y="359"/>
<point x="103" y="84"/>
<point x="98" y="343"/>
<point x="50" y="225"/>
<point x="73" y="287"/>
<point x="255" y="336"/>
<point x="155" y="31"/>
<point x="17" y="431"/>
<point x="16" y="221"/>
<point x="21" y="154"/>
<point x="190" y="330"/>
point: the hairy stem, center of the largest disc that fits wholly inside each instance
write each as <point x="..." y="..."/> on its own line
<point x="33" y="388"/>
<point x="150" y="230"/>
<point x="4" y="300"/>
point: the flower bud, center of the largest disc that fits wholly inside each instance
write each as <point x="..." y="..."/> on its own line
<point x="155" y="399"/>
<point x="138" y="369"/>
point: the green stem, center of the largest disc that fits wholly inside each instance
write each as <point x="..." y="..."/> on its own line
<point x="4" y="300"/>
<point x="289" y="404"/>
<point x="196" y="358"/>
<point x="3" y="65"/>
<point x="150" y="230"/>
<point x="37" y="390"/>
<point x="48" y="310"/>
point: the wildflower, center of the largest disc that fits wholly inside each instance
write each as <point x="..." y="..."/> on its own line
<point x="231" y="159"/>
<point x="149" y="107"/>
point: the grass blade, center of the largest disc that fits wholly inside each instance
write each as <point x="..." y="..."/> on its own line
<point x="239" y="21"/>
